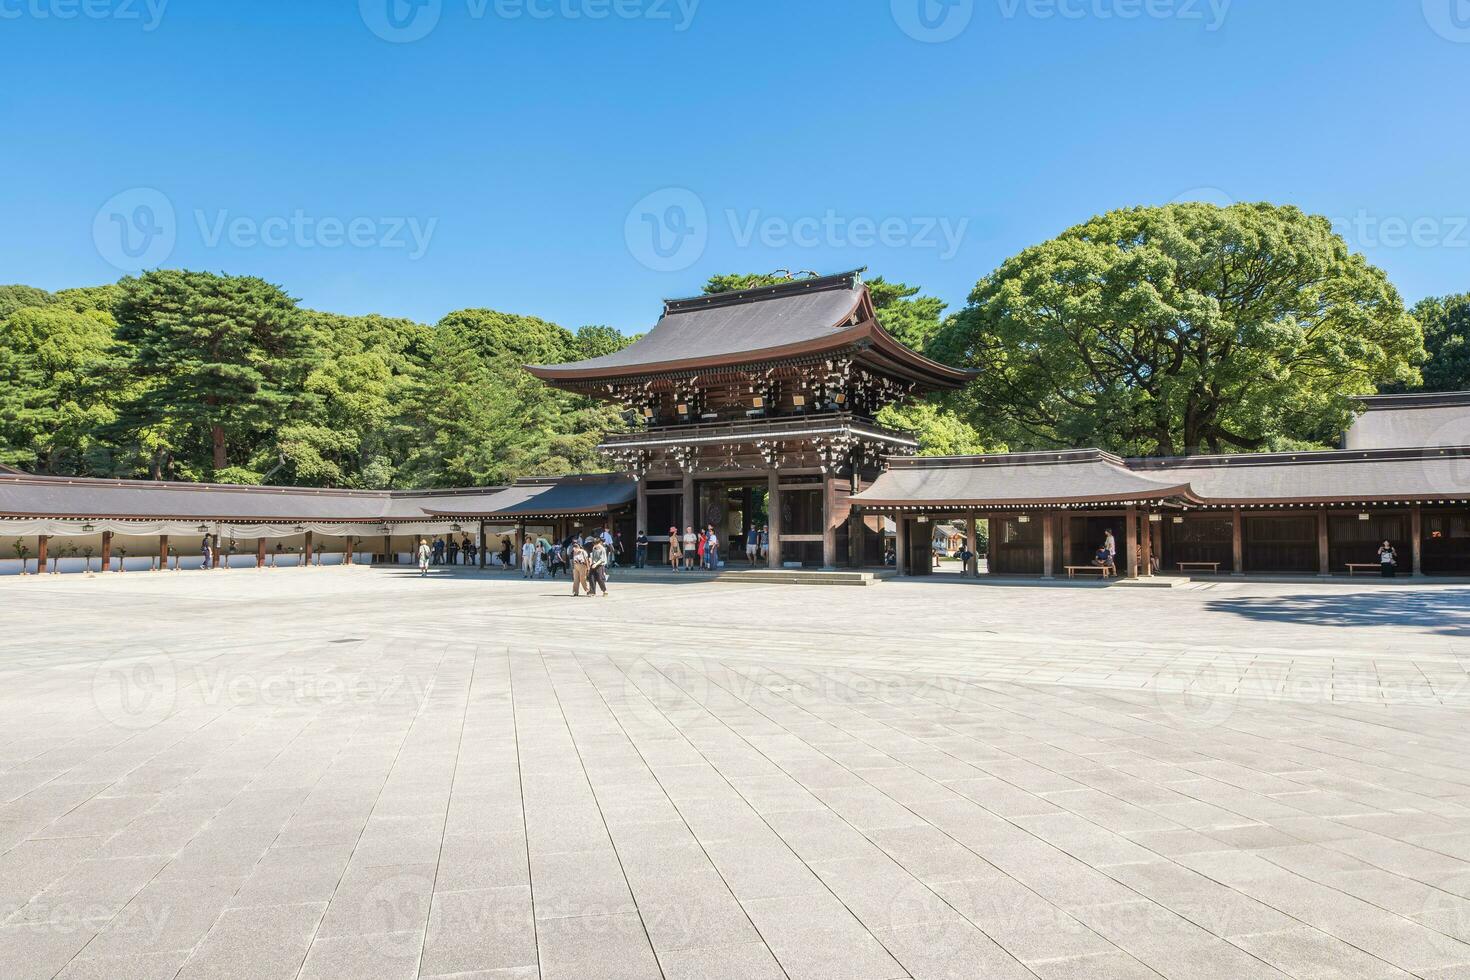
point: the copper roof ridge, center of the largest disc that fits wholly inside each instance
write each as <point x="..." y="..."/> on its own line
<point x="791" y="287"/>
<point x="1030" y="458"/>
<point x="1414" y="399"/>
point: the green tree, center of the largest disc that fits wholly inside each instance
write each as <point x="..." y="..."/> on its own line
<point x="941" y="432"/>
<point x="55" y="391"/>
<point x="13" y="298"/>
<point x="1179" y="329"/>
<point x="220" y="356"/>
<point x="1446" y="322"/>
<point x="600" y="341"/>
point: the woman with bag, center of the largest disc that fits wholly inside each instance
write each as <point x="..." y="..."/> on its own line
<point x="1388" y="560"/>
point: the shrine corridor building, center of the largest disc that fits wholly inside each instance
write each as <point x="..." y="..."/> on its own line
<point x="758" y="408"/>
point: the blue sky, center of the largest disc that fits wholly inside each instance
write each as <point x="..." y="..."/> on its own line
<point x="522" y="154"/>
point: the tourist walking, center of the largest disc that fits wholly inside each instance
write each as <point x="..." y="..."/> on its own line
<point x="1111" y="547"/>
<point x="1388" y="560"/>
<point x="580" y="562"/>
<point x="207" y="550"/>
<point x="765" y="548"/>
<point x="675" y="548"/>
<point x="752" y="544"/>
<point x="425" y="554"/>
<point x="640" y="550"/>
<point x="598" y="571"/>
<point x="609" y="545"/>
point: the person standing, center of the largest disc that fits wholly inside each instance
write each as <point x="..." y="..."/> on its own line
<point x="712" y="549"/>
<point x="1388" y="560"/>
<point x="609" y="545"/>
<point x="691" y="546"/>
<point x="598" y="569"/>
<point x="752" y="544"/>
<point x="528" y="558"/>
<point x="765" y="544"/>
<point x="700" y="541"/>
<point x="640" y="549"/>
<point x="1110" y="545"/>
<point x="207" y="550"/>
<point x="675" y="549"/>
<point x="580" y="560"/>
<point x="425" y="554"/>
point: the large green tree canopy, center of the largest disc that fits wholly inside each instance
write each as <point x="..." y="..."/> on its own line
<point x="1446" y="322"/>
<point x="1180" y="329"/>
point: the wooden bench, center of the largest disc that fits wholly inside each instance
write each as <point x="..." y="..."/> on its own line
<point x="1213" y="566"/>
<point x="1104" y="570"/>
<point x="1356" y="567"/>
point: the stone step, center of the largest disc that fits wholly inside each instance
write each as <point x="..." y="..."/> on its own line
<point x="801" y="577"/>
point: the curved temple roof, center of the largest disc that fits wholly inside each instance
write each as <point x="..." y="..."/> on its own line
<point x="804" y="317"/>
<point x="549" y="497"/>
<point x="1022" y="479"/>
<point x="23" y="495"/>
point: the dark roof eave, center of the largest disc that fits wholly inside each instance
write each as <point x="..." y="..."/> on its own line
<point x="1181" y="494"/>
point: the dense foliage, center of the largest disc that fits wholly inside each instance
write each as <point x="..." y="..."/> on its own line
<point x="1446" y="322"/>
<point x="197" y="376"/>
<point x="1180" y="329"/>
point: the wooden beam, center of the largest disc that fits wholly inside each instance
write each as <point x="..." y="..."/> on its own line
<point x="900" y="544"/>
<point x="1147" y="542"/>
<point x="1130" y="535"/>
<point x="829" y="523"/>
<point x="41" y="541"/>
<point x="640" y="513"/>
<point x="972" y="542"/>
<point x="687" y="489"/>
<point x="1066" y="518"/>
<point x="1324" y="568"/>
<point x="259" y="553"/>
<point x="1048" y="545"/>
<point x="1237" y="543"/>
<point x="483" y="561"/>
<point x="1416" y="539"/>
<point x="163" y="552"/>
<point x="106" y="550"/>
<point x="773" y="507"/>
<point x="306" y="550"/>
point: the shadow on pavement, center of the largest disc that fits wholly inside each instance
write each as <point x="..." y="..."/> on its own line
<point x="1440" y="612"/>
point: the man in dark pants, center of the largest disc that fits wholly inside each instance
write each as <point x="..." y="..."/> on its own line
<point x="597" y="573"/>
<point x="640" y="552"/>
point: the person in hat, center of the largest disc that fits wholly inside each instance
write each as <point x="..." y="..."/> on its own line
<point x="674" y="548"/>
<point x="425" y="554"/>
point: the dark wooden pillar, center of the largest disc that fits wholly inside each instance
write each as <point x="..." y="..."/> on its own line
<point x="1416" y="539"/>
<point x="41" y="541"/>
<point x="1066" y="518"/>
<point x="1130" y="535"/>
<point x="1237" y="542"/>
<point x="106" y="550"/>
<point x="482" y="545"/>
<point x="640" y="516"/>
<point x="163" y="552"/>
<point x="347" y="555"/>
<point x="972" y="544"/>
<point x="260" y="553"/>
<point x="773" y="505"/>
<point x="306" y="550"/>
<point x="900" y="543"/>
<point x="219" y="558"/>
<point x="1048" y="545"/>
<point x="830" y="519"/>
<point x="388" y="557"/>
<point x="1147" y="541"/>
<point x="689" y="503"/>
<point x="1324" y="568"/>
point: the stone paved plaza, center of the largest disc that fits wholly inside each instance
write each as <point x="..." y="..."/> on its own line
<point x="361" y="774"/>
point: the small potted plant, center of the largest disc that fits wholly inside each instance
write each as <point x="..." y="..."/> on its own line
<point x="122" y="560"/>
<point x="22" y="552"/>
<point x="174" y="554"/>
<point x="321" y="549"/>
<point x="87" y="551"/>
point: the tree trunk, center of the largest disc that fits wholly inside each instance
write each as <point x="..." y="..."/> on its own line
<point x="217" y="432"/>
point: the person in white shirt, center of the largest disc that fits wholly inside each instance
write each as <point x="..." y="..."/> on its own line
<point x="528" y="558"/>
<point x="691" y="548"/>
<point x="424" y="556"/>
